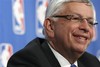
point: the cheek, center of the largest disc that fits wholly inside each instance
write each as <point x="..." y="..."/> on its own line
<point x="60" y="31"/>
<point x="94" y="34"/>
<point x="63" y="30"/>
<point x="63" y="33"/>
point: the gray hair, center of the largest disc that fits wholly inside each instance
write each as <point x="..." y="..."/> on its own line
<point x="54" y="5"/>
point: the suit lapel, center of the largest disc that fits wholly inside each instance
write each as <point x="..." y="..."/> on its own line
<point x="80" y="64"/>
<point x="50" y="56"/>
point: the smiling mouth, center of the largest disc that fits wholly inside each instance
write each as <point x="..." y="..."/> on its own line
<point x="81" y="38"/>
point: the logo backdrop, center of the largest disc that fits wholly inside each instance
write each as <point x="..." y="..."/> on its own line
<point x="22" y="20"/>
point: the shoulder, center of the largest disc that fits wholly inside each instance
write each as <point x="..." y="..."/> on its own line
<point x="29" y="54"/>
<point x="89" y="60"/>
<point x="89" y="56"/>
<point x="35" y="42"/>
<point x="32" y="47"/>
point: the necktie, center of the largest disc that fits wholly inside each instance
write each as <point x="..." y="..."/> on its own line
<point x="73" y="65"/>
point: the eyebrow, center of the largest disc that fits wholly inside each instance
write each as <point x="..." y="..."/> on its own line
<point x="82" y="16"/>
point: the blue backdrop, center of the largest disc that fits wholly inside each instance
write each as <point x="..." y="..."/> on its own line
<point x="21" y="21"/>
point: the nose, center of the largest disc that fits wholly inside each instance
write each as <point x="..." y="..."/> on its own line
<point x="84" y="26"/>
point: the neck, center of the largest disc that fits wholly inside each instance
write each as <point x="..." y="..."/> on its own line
<point x="70" y="55"/>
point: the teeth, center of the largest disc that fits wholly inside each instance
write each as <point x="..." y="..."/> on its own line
<point x="82" y="38"/>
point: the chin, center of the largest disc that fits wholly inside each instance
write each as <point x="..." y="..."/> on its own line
<point x="80" y="50"/>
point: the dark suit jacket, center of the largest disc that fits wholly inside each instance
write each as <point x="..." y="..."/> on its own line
<point x="38" y="54"/>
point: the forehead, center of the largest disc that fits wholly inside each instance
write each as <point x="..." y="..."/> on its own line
<point x="75" y="7"/>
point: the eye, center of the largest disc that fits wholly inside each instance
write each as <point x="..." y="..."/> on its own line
<point x="91" y="21"/>
<point x="69" y="17"/>
<point x="76" y="18"/>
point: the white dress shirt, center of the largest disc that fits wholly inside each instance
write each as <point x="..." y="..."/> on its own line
<point x="62" y="61"/>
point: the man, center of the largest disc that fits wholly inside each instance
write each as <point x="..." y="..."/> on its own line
<point x="68" y="30"/>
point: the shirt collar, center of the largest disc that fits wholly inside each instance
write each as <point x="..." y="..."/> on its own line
<point x="62" y="61"/>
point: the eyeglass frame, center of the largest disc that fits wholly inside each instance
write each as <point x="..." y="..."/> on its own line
<point x="79" y="18"/>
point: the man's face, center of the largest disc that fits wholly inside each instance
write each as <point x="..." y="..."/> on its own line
<point x="70" y="34"/>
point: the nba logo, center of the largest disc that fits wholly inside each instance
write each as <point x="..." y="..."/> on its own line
<point x="18" y="17"/>
<point x="5" y="53"/>
<point x="41" y="6"/>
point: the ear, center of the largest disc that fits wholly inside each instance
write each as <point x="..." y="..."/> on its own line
<point x="49" y="27"/>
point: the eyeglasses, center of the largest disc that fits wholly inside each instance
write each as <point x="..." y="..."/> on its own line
<point x="77" y="18"/>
